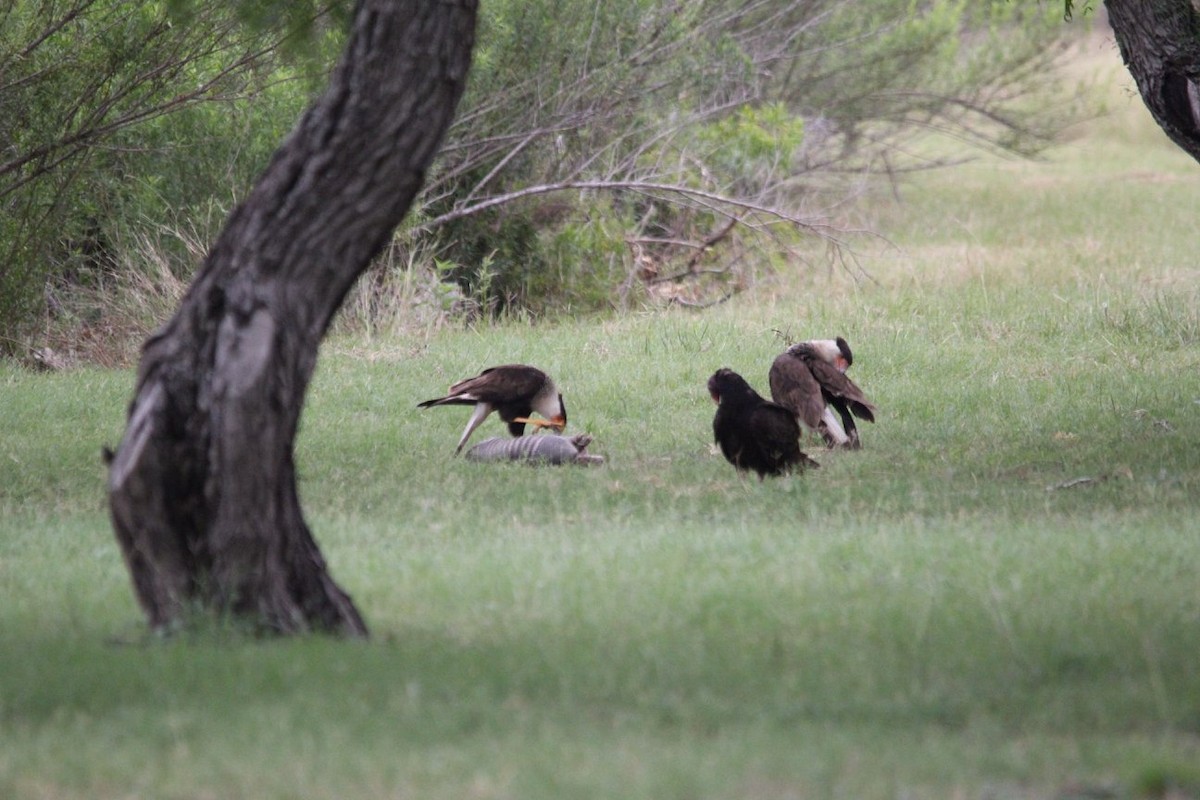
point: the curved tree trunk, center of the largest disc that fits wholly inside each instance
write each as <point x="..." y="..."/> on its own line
<point x="202" y="488"/>
<point x="1160" y="44"/>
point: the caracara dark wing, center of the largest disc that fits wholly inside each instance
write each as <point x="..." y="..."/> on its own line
<point x="753" y="433"/>
<point x="810" y="396"/>
<point x="514" y="391"/>
<point x="794" y="387"/>
<point x="842" y="392"/>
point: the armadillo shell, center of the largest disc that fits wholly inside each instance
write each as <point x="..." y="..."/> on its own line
<point x="540" y="448"/>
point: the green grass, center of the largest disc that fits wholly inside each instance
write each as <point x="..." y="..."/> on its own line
<point x="946" y="613"/>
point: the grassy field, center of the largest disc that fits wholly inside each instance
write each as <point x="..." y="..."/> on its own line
<point x="998" y="597"/>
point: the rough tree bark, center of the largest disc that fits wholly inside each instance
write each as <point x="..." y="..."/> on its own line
<point x="1160" y="44"/>
<point x="202" y="488"/>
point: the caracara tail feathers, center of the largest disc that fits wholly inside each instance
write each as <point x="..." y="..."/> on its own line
<point x="835" y="384"/>
<point x="450" y="400"/>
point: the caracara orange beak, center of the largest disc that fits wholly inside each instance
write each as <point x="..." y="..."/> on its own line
<point x="841" y="364"/>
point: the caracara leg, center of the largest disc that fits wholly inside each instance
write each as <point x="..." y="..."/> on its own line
<point x="477" y="416"/>
<point x="849" y="426"/>
<point x="831" y="429"/>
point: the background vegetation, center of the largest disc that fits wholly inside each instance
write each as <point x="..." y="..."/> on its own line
<point x="600" y="148"/>
<point x="995" y="598"/>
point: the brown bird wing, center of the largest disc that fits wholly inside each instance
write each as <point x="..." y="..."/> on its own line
<point x="794" y="387"/>
<point x="503" y="385"/>
<point x="838" y="385"/>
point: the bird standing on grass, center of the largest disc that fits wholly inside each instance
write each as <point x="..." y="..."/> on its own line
<point x="754" y="433"/>
<point x="514" y="391"/>
<point x="809" y="379"/>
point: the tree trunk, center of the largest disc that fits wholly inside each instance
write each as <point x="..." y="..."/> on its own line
<point x="1160" y="43"/>
<point x="202" y="488"/>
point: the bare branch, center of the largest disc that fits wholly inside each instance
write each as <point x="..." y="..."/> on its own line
<point x="713" y="200"/>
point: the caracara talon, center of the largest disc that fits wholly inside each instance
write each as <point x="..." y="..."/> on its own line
<point x="542" y="424"/>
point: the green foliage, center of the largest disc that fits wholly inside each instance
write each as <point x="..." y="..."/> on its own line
<point x="775" y="104"/>
<point x="752" y="147"/>
<point x="569" y="79"/>
<point x="191" y="167"/>
<point x="119" y="118"/>
<point x="883" y="71"/>
<point x="767" y="133"/>
<point x="573" y="265"/>
<point x="1069" y="9"/>
<point x="495" y="259"/>
<point x="781" y="105"/>
<point x="20" y="281"/>
<point x="586" y="260"/>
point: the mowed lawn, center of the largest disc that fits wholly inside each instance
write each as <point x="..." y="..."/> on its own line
<point x="998" y="597"/>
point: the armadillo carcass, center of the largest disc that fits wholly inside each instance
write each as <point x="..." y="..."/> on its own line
<point x="546" y="448"/>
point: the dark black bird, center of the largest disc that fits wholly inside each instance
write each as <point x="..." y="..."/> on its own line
<point x="753" y="433"/>
<point x="809" y="379"/>
<point x="514" y="391"/>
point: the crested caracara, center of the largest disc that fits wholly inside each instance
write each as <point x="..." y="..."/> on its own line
<point x="514" y="391"/>
<point x="809" y="378"/>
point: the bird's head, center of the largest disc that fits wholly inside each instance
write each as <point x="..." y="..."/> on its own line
<point x="834" y="352"/>
<point x="847" y="358"/>
<point x="557" y="418"/>
<point x="725" y="382"/>
<point x="559" y="421"/>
